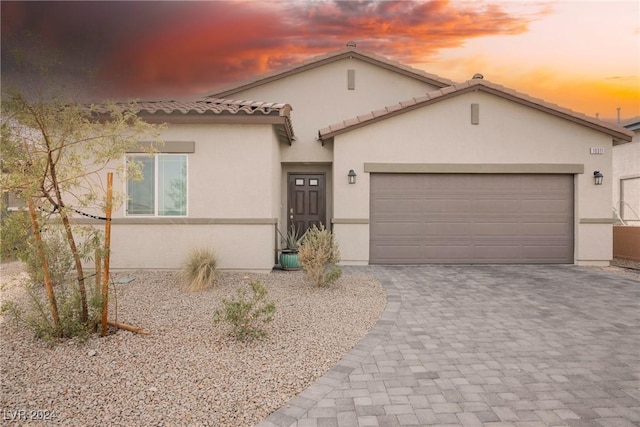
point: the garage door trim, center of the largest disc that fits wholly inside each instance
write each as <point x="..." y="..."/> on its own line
<point x="456" y="168"/>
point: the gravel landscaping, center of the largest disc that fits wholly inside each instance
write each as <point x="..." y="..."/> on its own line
<point x="188" y="371"/>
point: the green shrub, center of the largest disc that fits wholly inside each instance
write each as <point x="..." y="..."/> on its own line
<point x="319" y="255"/>
<point x="36" y="317"/>
<point x="15" y="231"/>
<point x="199" y="271"/>
<point x="18" y="243"/>
<point x="247" y="315"/>
<point x="58" y="255"/>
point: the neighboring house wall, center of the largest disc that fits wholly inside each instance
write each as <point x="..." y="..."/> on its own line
<point x="442" y="133"/>
<point x="232" y="203"/>
<point x="626" y="179"/>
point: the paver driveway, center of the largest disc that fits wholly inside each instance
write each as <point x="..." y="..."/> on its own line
<point x="487" y="345"/>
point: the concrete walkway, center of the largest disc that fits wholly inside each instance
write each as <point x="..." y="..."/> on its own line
<point x="487" y="345"/>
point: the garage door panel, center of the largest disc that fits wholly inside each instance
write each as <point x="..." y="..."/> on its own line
<point x="547" y="206"/>
<point x="544" y="254"/>
<point x="393" y="254"/>
<point x="398" y="231"/>
<point x="496" y="228"/>
<point x="465" y="218"/>
<point x="453" y="252"/>
<point x="549" y="229"/>
<point x="502" y="206"/>
<point x="389" y="206"/>
<point x="439" y="229"/>
<point x="496" y="253"/>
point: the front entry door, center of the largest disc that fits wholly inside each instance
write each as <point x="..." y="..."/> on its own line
<point x="306" y="203"/>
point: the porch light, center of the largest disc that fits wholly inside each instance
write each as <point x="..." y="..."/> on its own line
<point x="597" y="177"/>
<point x="352" y="177"/>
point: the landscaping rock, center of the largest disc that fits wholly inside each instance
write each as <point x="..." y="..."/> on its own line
<point x="188" y="371"/>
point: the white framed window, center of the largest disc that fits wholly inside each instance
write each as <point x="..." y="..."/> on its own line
<point x="163" y="188"/>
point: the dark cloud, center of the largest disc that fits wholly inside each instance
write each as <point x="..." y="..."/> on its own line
<point x="149" y="49"/>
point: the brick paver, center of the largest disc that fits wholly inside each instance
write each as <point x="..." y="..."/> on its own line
<point x="488" y="345"/>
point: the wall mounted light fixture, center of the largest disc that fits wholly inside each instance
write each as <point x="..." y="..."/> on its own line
<point x="597" y="178"/>
<point x="352" y="176"/>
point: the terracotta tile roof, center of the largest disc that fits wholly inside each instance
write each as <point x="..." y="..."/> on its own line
<point x="617" y="131"/>
<point x="215" y="110"/>
<point x="208" y="106"/>
<point x="328" y="58"/>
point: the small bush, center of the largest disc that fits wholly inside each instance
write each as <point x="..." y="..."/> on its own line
<point x="199" y="271"/>
<point x="247" y="316"/>
<point x="15" y="229"/>
<point x="17" y="242"/>
<point x="319" y="255"/>
<point x="36" y="317"/>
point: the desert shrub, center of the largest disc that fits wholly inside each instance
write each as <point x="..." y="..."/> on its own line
<point x="59" y="256"/>
<point x="199" y="271"/>
<point x="12" y="310"/>
<point x="319" y="255"/>
<point x="15" y="230"/>
<point x="247" y="315"/>
<point x="36" y="316"/>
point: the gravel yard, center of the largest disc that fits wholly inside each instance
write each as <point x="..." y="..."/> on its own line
<point x="188" y="371"/>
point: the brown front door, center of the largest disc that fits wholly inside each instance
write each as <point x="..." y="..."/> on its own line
<point x="306" y="203"/>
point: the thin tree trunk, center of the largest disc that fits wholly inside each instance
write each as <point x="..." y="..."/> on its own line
<point x="84" y="311"/>
<point x="84" y="314"/>
<point x="98" y="267"/>
<point x="45" y="267"/>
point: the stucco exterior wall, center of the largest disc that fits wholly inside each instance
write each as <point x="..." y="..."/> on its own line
<point x="626" y="180"/>
<point x="233" y="203"/>
<point x="319" y="97"/>
<point x="508" y="133"/>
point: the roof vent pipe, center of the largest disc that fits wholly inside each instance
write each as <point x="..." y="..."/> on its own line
<point x="478" y="76"/>
<point x="351" y="44"/>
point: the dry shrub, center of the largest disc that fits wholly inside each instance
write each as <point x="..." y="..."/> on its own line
<point x="319" y="255"/>
<point x="199" y="271"/>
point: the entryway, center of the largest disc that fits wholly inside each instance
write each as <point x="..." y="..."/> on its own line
<point x="306" y="201"/>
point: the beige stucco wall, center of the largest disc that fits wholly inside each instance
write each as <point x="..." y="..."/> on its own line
<point x="319" y="98"/>
<point x="507" y="133"/>
<point x="233" y="203"/>
<point x="626" y="173"/>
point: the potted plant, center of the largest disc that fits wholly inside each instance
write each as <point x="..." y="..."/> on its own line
<point x="289" y="255"/>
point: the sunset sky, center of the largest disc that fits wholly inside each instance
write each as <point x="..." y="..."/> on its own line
<point x="583" y="55"/>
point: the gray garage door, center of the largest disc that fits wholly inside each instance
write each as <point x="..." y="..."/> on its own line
<point x="471" y="218"/>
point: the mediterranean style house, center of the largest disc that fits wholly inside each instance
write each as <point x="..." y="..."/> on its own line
<point x="405" y="167"/>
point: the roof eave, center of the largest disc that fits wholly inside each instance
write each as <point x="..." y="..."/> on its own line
<point x="618" y="133"/>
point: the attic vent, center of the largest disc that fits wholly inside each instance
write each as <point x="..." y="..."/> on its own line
<point x="478" y="76"/>
<point x="351" y="44"/>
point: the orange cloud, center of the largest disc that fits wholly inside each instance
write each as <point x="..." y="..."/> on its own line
<point x="591" y="95"/>
<point x="216" y="43"/>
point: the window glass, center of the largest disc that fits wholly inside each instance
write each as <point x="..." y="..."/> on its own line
<point x="141" y="194"/>
<point x="172" y="185"/>
<point x="163" y="188"/>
